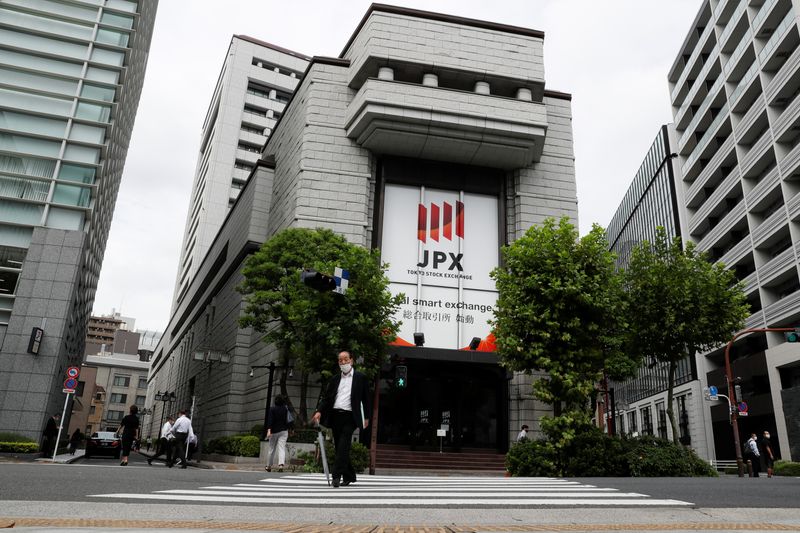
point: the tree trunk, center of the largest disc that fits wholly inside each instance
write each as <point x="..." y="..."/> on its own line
<point x="302" y="413"/>
<point x="670" y="397"/>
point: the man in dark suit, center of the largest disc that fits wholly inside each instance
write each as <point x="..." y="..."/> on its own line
<point x="344" y="407"/>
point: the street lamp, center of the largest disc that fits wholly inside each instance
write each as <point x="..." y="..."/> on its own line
<point x="734" y="411"/>
<point x="271" y="366"/>
<point x="164" y="397"/>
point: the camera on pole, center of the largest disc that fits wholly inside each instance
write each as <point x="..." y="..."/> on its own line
<point x="317" y="280"/>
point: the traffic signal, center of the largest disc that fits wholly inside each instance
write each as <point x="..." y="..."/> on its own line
<point x="401" y="376"/>
<point x="737" y="393"/>
<point x="792" y="336"/>
<point x="317" y="280"/>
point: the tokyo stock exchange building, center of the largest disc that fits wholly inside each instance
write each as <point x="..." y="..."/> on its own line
<point x="434" y="139"/>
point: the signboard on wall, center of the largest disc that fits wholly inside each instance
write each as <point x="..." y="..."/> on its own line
<point x="441" y="247"/>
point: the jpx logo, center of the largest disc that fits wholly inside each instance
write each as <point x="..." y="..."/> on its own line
<point x="441" y="225"/>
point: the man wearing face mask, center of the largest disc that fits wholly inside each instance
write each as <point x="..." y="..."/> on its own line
<point x="767" y="454"/>
<point x="344" y="407"/>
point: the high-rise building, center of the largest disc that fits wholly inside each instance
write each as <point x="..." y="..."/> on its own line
<point x="428" y="131"/>
<point x="735" y="94"/>
<point x="256" y="81"/>
<point x="72" y="73"/>
<point x="639" y="404"/>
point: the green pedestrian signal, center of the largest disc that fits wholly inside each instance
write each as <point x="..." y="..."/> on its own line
<point x="401" y="376"/>
<point x="792" y="336"/>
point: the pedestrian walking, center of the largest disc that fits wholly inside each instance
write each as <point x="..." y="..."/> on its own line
<point x="345" y="407"/>
<point x="523" y="433"/>
<point x="181" y="430"/>
<point x="277" y="432"/>
<point x="50" y="435"/>
<point x="75" y="441"/>
<point x="129" y="430"/>
<point x="767" y="454"/>
<point x="164" y="446"/>
<point x="753" y="454"/>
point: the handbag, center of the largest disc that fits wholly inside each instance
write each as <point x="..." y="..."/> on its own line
<point x="289" y="416"/>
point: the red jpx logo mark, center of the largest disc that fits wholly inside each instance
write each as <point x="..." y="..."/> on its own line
<point x="440" y="219"/>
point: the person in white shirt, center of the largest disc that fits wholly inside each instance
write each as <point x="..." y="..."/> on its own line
<point x="181" y="430"/>
<point x="523" y="434"/>
<point x="754" y="454"/>
<point x="165" y="442"/>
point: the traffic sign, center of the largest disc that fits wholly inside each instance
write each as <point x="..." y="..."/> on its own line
<point x="712" y="390"/>
<point x="742" y="408"/>
<point x="70" y="384"/>
<point x="73" y="372"/>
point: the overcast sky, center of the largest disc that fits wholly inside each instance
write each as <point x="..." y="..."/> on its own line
<point x="612" y="56"/>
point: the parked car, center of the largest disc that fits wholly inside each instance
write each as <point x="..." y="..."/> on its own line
<point x="103" y="443"/>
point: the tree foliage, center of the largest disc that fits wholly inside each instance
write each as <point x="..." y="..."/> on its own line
<point x="559" y="310"/>
<point x="680" y="304"/>
<point x="310" y="326"/>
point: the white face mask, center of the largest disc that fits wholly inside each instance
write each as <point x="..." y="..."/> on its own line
<point x="345" y="368"/>
<point x="766" y="435"/>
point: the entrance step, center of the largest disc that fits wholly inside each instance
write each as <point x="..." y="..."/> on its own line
<point x="392" y="456"/>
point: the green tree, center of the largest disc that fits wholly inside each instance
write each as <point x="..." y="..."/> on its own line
<point x="559" y="310"/>
<point x="679" y="304"/>
<point x="310" y="326"/>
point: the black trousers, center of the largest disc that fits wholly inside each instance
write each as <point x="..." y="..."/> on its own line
<point x="164" y="448"/>
<point x="179" y="447"/>
<point x="343" y="427"/>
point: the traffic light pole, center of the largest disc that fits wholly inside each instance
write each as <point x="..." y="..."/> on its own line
<point x="731" y="392"/>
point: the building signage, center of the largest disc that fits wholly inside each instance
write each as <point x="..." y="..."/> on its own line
<point x="441" y="247"/>
<point x="35" y="342"/>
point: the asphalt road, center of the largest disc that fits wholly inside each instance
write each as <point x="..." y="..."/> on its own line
<point x="77" y="481"/>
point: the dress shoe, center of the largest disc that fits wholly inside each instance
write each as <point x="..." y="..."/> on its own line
<point x="268" y="468"/>
<point x="335" y="482"/>
<point x="150" y="461"/>
<point x="345" y="483"/>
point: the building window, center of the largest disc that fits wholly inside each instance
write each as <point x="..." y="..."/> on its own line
<point x="662" y="420"/>
<point x="139" y="401"/>
<point x="81" y="387"/>
<point x="633" y="427"/>
<point x="122" y="381"/>
<point x="114" y="415"/>
<point x="118" y="398"/>
<point x="683" y="421"/>
<point x="92" y="410"/>
<point x="247" y="147"/>
<point x="647" y="420"/>
<point x="252" y="129"/>
<point x="142" y="383"/>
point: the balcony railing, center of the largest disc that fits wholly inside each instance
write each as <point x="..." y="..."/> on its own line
<point x="767" y="228"/>
<point x="756" y="110"/>
<point x="747" y="38"/>
<point x="732" y="23"/>
<point x="787" y="70"/>
<point x="793" y="207"/>
<point x="763" y="187"/>
<point x="719" y="193"/>
<point x="696" y="87"/>
<point x="744" y="83"/>
<point x="710" y="168"/>
<point x="787" y="118"/>
<point x="712" y="93"/>
<point x="707" y="136"/>
<point x="756" y="151"/>
<point x="723" y="227"/>
<point x="776" y="266"/>
<point x="783" y="28"/>
<point x="779" y="310"/>
<point x="733" y="255"/>
<point x="708" y="30"/>
<point x="790" y="161"/>
<point x="750" y="283"/>
<point x="765" y="10"/>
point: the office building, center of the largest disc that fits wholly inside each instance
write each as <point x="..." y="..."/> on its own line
<point x="640" y="403"/>
<point x="72" y="73"/>
<point x="428" y="130"/>
<point x="734" y="90"/>
<point x="256" y="81"/>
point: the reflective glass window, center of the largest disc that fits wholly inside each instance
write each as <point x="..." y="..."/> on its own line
<point x="89" y="134"/>
<point x="117" y="38"/>
<point x="123" y="5"/>
<point x="15" y="236"/>
<point x="108" y="57"/>
<point x="29" y="145"/>
<point x="95" y="92"/>
<point x="42" y="64"/>
<point x="36" y="102"/>
<point x="8" y="282"/>
<point x="31" y="166"/>
<point x="76" y="173"/>
<point x="46" y="24"/>
<point x="82" y="154"/>
<point x="24" y="188"/>
<point x="72" y="195"/>
<point x="20" y="212"/>
<point x="61" y="218"/>
<point x="32" y="124"/>
<point x="103" y="75"/>
<point x="114" y="19"/>
<point x="70" y="10"/>
<point x="28" y="80"/>
<point x="98" y="113"/>
<point x="44" y="44"/>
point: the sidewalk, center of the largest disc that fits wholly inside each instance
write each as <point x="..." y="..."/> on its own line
<point x="63" y="458"/>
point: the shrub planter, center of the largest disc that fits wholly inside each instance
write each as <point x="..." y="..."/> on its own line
<point x="292" y="449"/>
<point x="22" y="456"/>
<point x="220" y="458"/>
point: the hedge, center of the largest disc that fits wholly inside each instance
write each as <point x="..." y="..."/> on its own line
<point x="19" y="447"/>
<point x="595" y="454"/>
<point x="359" y="457"/>
<point x="787" y="468"/>
<point x="238" y="445"/>
<point x="14" y="437"/>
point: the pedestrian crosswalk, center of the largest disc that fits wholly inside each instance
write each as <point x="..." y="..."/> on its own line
<point x="407" y="491"/>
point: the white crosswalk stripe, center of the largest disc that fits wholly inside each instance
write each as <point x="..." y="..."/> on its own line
<point x="409" y="491"/>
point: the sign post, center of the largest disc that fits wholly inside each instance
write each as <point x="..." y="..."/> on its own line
<point x="70" y="384"/>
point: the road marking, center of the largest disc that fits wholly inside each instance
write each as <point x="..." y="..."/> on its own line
<point x="408" y="491"/>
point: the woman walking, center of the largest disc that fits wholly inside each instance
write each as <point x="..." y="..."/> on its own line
<point x="277" y="433"/>
<point x="129" y="428"/>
